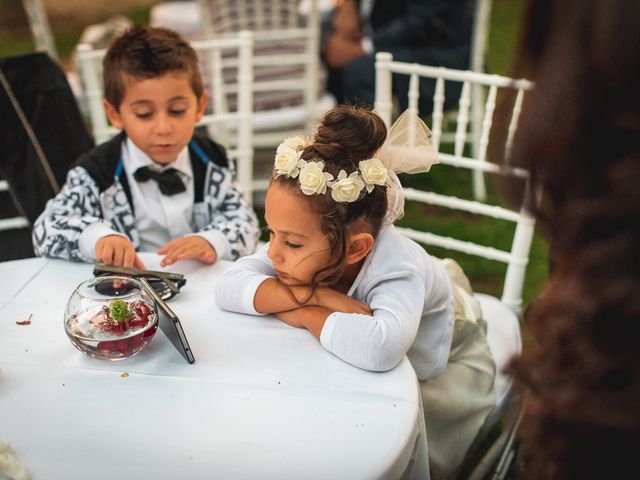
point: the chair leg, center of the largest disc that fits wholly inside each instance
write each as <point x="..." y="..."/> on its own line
<point x="500" y="456"/>
<point x="509" y="451"/>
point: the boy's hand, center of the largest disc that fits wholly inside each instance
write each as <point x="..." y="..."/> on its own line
<point x="184" y="248"/>
<point x="118" y="251"/>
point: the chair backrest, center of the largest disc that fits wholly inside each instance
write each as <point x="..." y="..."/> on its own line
<point x="286" y="72"/>
<point x="232" y="129"/>
<point x="516" y="258"/>
<point x="480" y="35"/>
<point x="479" y="41"/>
<point x="41" y="133"/>
<point x="40" y="29"/>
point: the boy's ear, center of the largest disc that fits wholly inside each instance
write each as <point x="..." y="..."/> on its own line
<point x="202" y="104"/>
<point x="358" y="246"/>
<point x="112" y="114"/>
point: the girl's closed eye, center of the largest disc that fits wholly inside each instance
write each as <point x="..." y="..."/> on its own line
<point x="286" y="242"/>
<point x="177" y="112"/>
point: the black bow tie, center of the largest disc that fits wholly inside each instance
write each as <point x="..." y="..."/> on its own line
<point x="168" y="180"/>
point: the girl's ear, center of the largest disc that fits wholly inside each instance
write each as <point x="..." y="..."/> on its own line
<point x="112" y="114"/>
<point x="359" y="245"/>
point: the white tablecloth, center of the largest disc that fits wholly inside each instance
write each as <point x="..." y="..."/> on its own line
<point x="15" y="275"/>
<point x="263" y="400"/>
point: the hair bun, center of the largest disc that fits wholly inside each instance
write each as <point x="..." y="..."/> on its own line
<point x="349" y="132"/>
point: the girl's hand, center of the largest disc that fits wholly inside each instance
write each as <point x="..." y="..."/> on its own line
<point x="184" y="248"/>
<point x="339" y="302"/>
<point x="291" y="318"/>
<point x="118" y="251"/>
<point x="311" y="318"/>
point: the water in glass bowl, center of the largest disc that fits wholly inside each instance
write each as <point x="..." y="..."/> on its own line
<point x="110" y="318"/>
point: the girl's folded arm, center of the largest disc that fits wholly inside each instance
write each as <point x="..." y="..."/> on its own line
<point x="272" y="296"/>
<point x="378" y="342"/>
<point x="237" y="286"/>
<point x="312" y="318"/>
<point x="249" y="286"/>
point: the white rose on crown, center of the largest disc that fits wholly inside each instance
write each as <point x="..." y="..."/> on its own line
<point x="373" y="173"/>
<point x="295" y="143"/>
<point x="313" y="179"/>
<point x="347" y="188"/>
<point x="287" y="161"/>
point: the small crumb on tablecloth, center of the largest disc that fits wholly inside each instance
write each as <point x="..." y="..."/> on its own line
<point x="124" y="374"/>
<point x="25" y="322"/>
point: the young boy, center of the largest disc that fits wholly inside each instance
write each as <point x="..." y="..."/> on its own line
<point x="156" y="183"/>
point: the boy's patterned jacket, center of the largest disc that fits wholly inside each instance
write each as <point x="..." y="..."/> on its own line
<point x="96" y="190"/>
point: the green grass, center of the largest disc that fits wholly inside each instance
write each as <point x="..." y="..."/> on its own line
<point x="16" y="41"/>
<point x="506" y="19"/>
<point x="485" y="275"/>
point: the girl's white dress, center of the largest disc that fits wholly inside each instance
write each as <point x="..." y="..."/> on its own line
<point x="423" y="308"/>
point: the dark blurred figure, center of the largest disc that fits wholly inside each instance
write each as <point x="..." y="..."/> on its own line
<point x="580" y="135"/>
<point x="41" y="133"/>
<point x="429" y="32"/>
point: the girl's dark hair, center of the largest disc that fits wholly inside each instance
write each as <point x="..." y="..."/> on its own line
<point x="580" y="136"/>
<point x="147" y="52"/>
<point x="346" y="135"/>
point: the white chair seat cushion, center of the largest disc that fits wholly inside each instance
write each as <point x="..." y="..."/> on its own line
<point x="504" y="339"/>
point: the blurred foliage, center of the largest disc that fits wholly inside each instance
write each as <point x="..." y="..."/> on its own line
<point x="15" y="35"/>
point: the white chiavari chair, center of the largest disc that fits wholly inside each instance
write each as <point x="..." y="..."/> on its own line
<point x="501" y="314"/>
<point x="288" y="85"/>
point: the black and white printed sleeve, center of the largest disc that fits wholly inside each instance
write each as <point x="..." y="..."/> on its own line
<point x="57" y="230"/>
<point x="230" y="214"/>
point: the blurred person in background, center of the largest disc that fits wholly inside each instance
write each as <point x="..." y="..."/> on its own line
<point x="579" y="134"/>
<point x="429" y="32"/>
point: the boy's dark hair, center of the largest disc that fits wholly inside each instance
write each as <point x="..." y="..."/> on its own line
<point x="144" y="53"/>
<point x="347" y="135"/>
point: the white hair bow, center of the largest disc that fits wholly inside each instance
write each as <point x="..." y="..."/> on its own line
<point x="407" y="149"/>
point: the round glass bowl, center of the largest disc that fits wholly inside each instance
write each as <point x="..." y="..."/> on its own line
<point x="110" y="317"/>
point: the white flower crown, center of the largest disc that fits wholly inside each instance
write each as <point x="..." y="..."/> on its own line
<point x="313" y="180"/>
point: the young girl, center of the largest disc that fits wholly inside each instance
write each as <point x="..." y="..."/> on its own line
<point x="336" y="266"/>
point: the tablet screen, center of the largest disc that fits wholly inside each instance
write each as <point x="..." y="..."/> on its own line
<point x="170" y="324"/>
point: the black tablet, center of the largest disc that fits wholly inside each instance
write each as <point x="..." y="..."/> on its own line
<point x="170" y="324"/>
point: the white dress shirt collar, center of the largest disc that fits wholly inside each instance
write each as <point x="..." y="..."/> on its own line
<point x="136" y="159"/>
<point x="159" y="218"/>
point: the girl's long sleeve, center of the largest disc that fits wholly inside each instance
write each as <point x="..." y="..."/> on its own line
<point x="237" y="287"/>
<point x="380" y="341"/>
<point x="409" y="293"/>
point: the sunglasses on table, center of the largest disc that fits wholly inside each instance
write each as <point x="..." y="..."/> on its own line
<point x="166" y="284"/>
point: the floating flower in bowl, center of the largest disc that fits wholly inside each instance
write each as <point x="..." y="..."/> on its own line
<point x="111" y="317"/>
